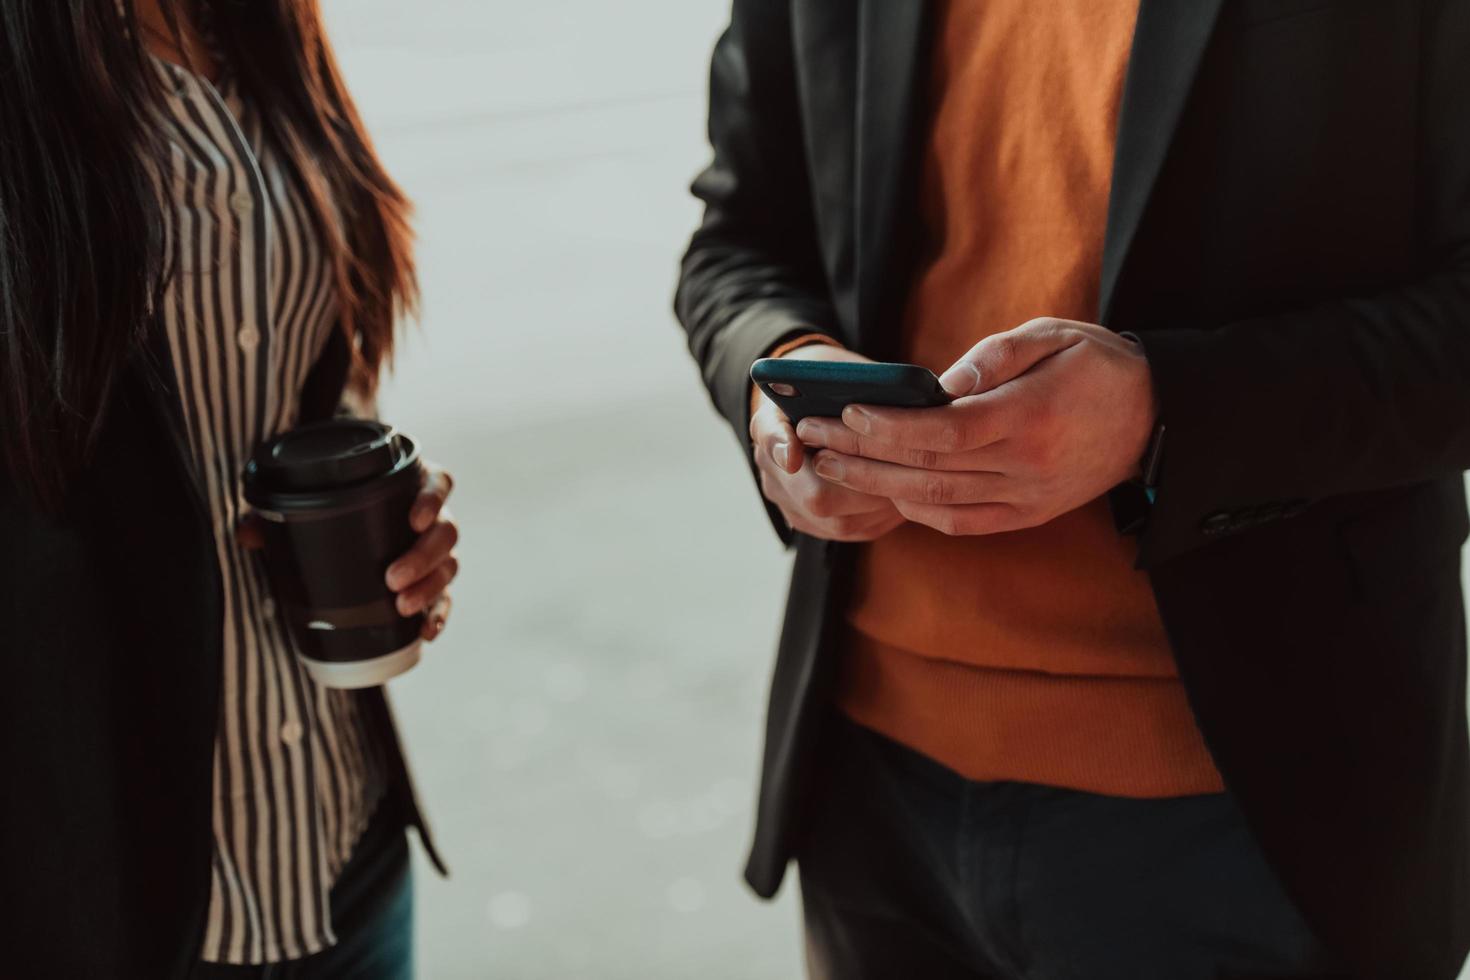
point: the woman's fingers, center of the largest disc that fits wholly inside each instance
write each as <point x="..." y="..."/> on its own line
<point x="422" y="594"/>
<point x="429" y="551"/>
<point x="421" y="576"/>
<point x="438" y="484"/>
<point x="423" y="573"/>
<point x="437" y="617"/>
<point x="250" y="532"/>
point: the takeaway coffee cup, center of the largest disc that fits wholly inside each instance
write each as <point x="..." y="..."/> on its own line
<point x="335" y="498"/>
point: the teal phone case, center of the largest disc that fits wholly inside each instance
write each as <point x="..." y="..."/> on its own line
<point x="825" y="388"/>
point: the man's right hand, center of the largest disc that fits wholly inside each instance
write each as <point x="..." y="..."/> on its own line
<point x="810" y="504"/>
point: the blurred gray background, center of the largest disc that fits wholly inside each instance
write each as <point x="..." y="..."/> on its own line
<point x="586" y="735"/>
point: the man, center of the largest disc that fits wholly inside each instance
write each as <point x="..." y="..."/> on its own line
<point x="1145" y="657"/>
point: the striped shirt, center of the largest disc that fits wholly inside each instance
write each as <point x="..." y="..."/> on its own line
<point x="250" y="305"/>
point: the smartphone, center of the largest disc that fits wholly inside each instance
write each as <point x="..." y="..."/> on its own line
<point x="825" y="388"/>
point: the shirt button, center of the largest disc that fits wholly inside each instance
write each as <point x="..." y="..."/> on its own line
<point x="291" y="732"/>
<point x="242" y="203"/>
<point x="268" y="608"/>
<point x="248" y="338"/>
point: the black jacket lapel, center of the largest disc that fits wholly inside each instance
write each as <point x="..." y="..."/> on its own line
<point x="889" y="37"/>
<point x="1168" y="46"/>
<point x="321" y="393"/>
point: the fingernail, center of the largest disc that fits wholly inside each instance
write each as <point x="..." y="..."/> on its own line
<point x="960" y="380"/>
<point x="419" y="518"/>
<point x="857" y="420"/>
<point x="829" y="467"/>
<point x="406" y="606"/>
<point x="779" y="454"/>
<point x="398" y="575"/>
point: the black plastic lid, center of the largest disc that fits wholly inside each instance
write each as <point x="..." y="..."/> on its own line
<point x="327" y="455"/>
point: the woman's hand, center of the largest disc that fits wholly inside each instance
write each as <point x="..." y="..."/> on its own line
<point x="810" y="504"/>
<point x="422" y="576"/>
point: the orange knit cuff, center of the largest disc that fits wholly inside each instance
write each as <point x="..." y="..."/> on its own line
<point x="786" y="347"/>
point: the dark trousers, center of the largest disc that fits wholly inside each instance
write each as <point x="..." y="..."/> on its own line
<point x="909" y="870"/>
<point x="372" y="915"/>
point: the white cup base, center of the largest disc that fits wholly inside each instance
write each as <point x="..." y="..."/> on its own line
<point x="350" y="675"/>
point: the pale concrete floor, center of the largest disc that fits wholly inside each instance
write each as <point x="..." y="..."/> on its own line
<point x="586" y="734"/>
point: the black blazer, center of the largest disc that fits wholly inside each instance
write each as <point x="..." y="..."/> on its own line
<point x="1289" y="235"/>
<point x="110" y="632"/>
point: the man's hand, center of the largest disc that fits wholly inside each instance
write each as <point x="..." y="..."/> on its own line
<point x="810" y="504"/>
<point x="1047" y="417"/>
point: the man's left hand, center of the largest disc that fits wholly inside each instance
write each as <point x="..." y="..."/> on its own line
<point x="1046" y="417"/>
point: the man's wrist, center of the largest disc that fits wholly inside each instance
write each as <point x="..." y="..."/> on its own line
<point x="1146" y="472"/>
<point x="1132" y="501"/>
<point x="800" y="342"/>
<point x="792" y="344"/>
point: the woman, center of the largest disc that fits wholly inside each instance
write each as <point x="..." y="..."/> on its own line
<point x="198" y="249"/>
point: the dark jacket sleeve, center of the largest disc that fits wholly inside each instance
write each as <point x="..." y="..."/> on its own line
<point x="1364" y="393"/>
<point x="752" y="276"/>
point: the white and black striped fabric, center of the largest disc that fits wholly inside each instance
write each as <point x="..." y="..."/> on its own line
<point x="297" y="771"/>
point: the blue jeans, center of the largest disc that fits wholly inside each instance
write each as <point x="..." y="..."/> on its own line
<point x="372" y="915"/>
<point x="910" y="870"/>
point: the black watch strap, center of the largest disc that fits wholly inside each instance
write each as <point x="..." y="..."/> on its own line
<point x="1132" y="503"/>
<point x="1152" y="463"/>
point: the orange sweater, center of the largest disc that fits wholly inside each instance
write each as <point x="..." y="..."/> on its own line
<point x="1036" y="655"/>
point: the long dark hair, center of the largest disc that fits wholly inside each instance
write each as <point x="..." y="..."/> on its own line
<point x="81" y="228"/>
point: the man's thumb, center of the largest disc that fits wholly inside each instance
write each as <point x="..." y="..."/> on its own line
<point x="1004" y="357"/>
